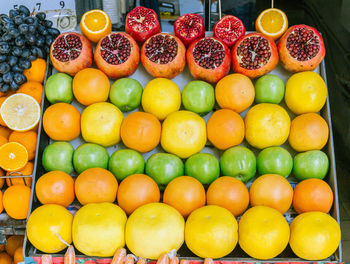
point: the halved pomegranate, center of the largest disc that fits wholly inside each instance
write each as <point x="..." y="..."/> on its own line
<point x="142" y="23"/>
<point x="189" y="27"/>
<point x="254" y="55"/>
<point x="71" y="53"/>
<point x="301" y="48"/>
<point x="208" y="59"/>
<point x="163" y="55"/>
<point x="117" y="55"/>
<point x="229" y="29"/>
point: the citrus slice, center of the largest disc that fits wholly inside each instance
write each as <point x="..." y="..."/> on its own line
<point x="20" y="112"/>
<point x="272" y="22"/>
<point x="13" y="156"/>
<point x="95" y="24"/>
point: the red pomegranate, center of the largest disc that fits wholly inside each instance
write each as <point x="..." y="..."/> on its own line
<point x="208" y="59"/>
<point x="117" y="55"/>
<point x="229" y="29"/>
<point x="71" y="53"/>
<point x="301" y="48"/>
<point x="254" y="55"/>
<point x="189" y="27"/>
<point x="163" y="55"/>
<point x="142" y="23"/>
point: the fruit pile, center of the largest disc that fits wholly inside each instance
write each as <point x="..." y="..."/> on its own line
<point x="12" y="252"/>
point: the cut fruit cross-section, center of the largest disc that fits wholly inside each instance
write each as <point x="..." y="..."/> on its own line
<point x="95" y="24"/>
<point x="272" y="22"/>
<point x="13" y="156"/>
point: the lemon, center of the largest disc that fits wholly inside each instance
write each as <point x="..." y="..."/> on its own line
<point x="306" y="92"/>
<point x="161" y="97"/>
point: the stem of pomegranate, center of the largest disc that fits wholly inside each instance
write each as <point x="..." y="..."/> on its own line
<point x="271" y="3"/>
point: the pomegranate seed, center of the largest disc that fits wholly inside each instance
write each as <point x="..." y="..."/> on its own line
<point x="67" y="48"/>
<point x="115" y="49"/>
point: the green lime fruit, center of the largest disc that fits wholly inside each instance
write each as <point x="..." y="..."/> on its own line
<point x="238" y="162"/>
<point x="269" y="89"/>
<point x="275" y="160"/>
<point x="310" y="164"/>
<point x="58" y="88"/>
<point x="198" y="97"/>
<point x="88" y="156"/>
<point x="125" y="162"/>
<point x="203" y="166"/>
<point x="163" y="168"/>
<point x="58" y="156"/>
<point x="126" y="94"/>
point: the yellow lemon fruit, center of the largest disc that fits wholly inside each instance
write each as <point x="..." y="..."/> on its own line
<point x="161" y="97"/>
<point x="154" y="229"/>
<point x="211" y="232"/>
<point x="100" y="124"/>
<point x="263" y="232"/>
<point x="314" y="235"/>
<point x="306" y="92"/>
<point x="183" y="134"/>
<point x="266" y="125"/>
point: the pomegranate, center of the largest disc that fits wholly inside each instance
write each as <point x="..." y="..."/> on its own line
<point x="71" y="53"/>
<point x="229" y="29"/>
<point x="142" y="23"/>
<point x="189" y="27"/>
<point x="208" y="59"/>
<point x="163" y="55"/>
<point x="254" y="55"/>
<point x="301" y="48"/>
<point x="117" y="55"/>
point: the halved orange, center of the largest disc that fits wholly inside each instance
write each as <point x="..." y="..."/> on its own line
<point x="272" y="22"/>
<point x="13" y="156"/>
<point x="95" y="24"/>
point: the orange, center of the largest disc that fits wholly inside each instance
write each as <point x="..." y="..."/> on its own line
<point x="308" y="132"/>
<point x="37" y="71"/>
<point x="312" y="195"/>
<point x="25" y="171"/>
<point x="225" y="129"/>
<point x="96" y="185"/>
<point x="91" y="86"/>
<point x="13" y="242"/>
<point x="18" y="255"/>
<point x="16" y="201"/>
<point x="235" y="91"/>
<point x="271" y="190"/>
<point x="95" y="24"/>
<point x="2" y="180"/>
<point x="13" y="156"/>
<point x="137" y="190"/>
<point x="1" y="203"/>
<point x="55" y="187"/>
<point x="185" y="194"/>
<point x="272" y="22"/>
<point x="5" y="131"/>
<point x="32" y="88"/>
<point x="2" y="248"/>
<point x="2" y="99"/>
<point x="5" y="258"/>
<point x="28" y="139"/>
<point x="3" y="140"/>
<point x="230" y="193"/>
<point x="61" y="122"/>
<point x="141" y="131"/>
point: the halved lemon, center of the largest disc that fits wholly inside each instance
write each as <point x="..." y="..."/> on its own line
<point x="20" y="112"/>
<point x="13" y="156"/>
<point x="95" y="24"/>
<point x="272" y="22"/>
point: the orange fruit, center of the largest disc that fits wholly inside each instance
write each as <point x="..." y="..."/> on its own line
<point x="55" y="187"/>
<point x="16" y="201"/>
<point x="230" y="193"/>
<point x="2" y="180"/>
<point x="32" y="88"/>
<point x="272" y="22"/>
<point x="5" y="131"/>
<point x="3" y="140"/>
<point x="61" y="122"/>
<point x="18" y="255"/>
<point x="312" y="195"/>
<point x="37" y="71"/>
<point x="28" y="139"/>
<point x="1" y="203"/>
<point x="225" y="129"/>
<point x="25" y="171"/>
<point x="185" y="194"/>
<point x="96" y="185"/>
<point x="137" y="190"/>
<point x="235" y="91"/>
<point x="308" y="132"/>
<point x="5" y="258"/>
<point x="2" y="248"/>
<point x="14" y="242"/>
<point x="13" y="156"/>
<point x="141" y="131"/>
<point x="271" y="190"/>
<point x="95" y="24"/>
<point x="91" y="86"/>
<point x="2" y="99"/>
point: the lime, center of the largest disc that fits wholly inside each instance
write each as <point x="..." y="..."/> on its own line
<point x="88" y="156"/>
<point x="58" y="156"/>
<point x="202" y="166"/>
<point x="269" y="89"/>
